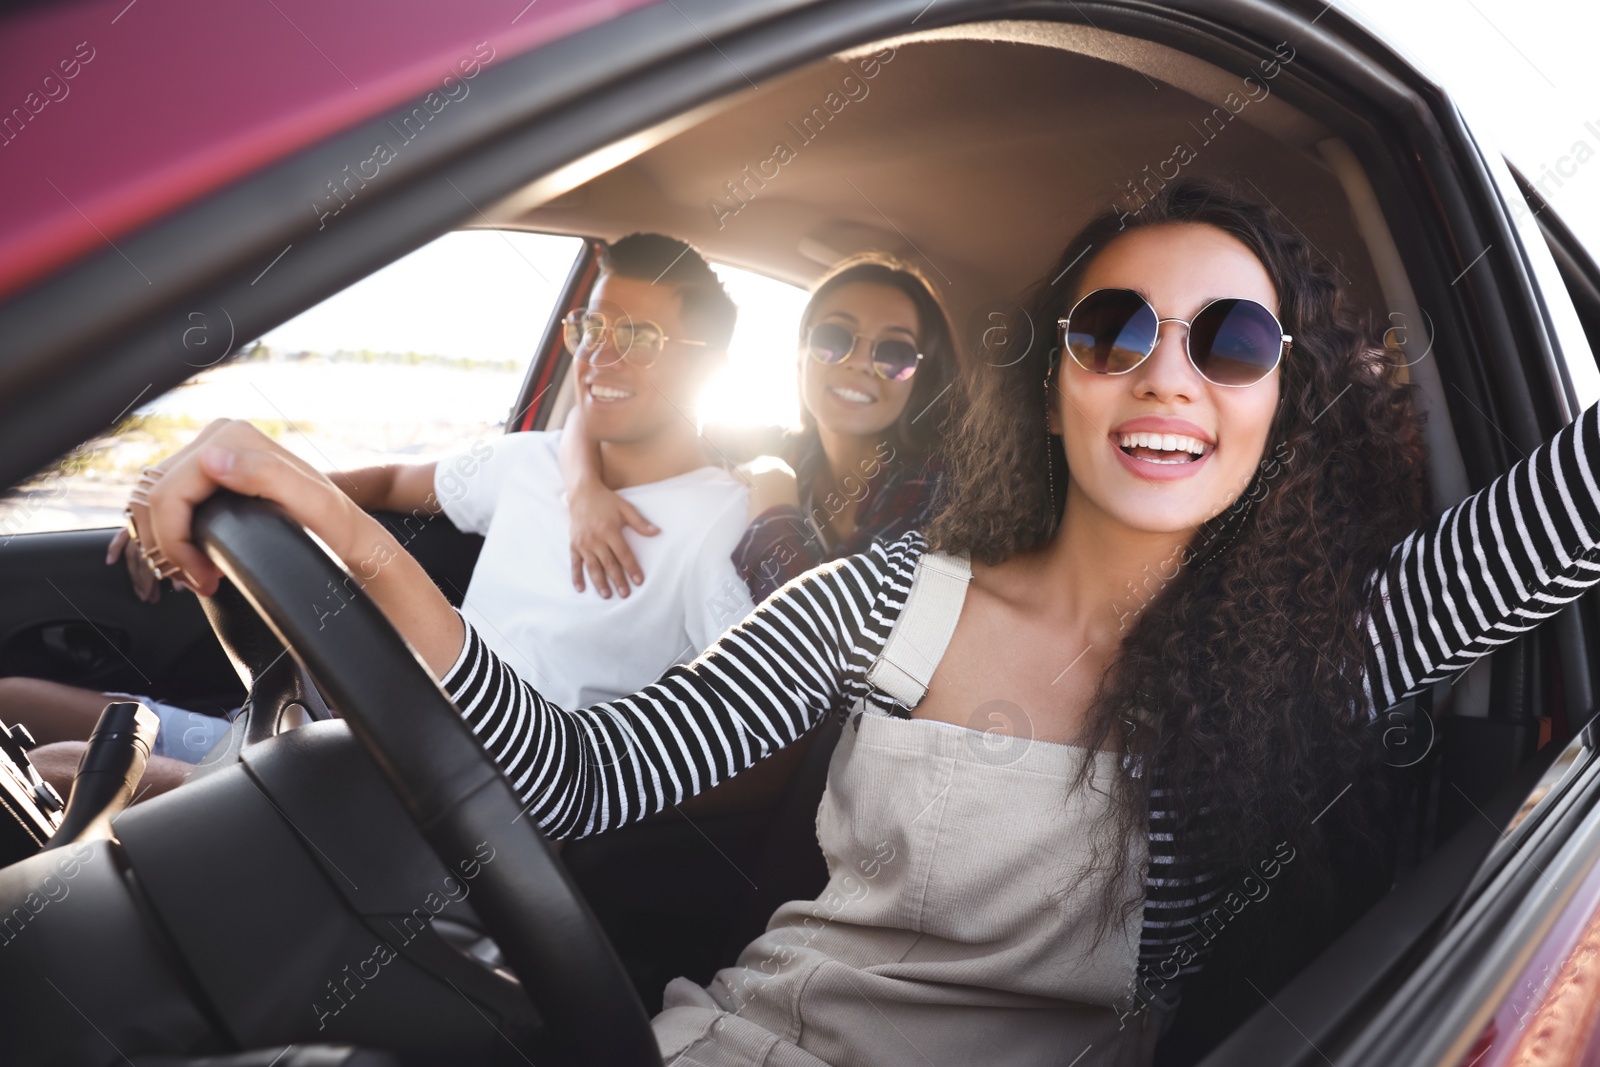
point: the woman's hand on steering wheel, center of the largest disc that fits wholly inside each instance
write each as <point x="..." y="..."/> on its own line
<point x="232" y="454"/>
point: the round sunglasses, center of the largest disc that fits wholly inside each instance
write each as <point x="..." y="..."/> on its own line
<point x="1233" y="341"/>
<point x="892" y="359"/>
<point x="639" y="342"/>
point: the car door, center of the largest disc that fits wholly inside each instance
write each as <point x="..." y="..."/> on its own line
<point x="411" y="361"/>
<point x="1511" y="970"/>
<point x="1484" y="950"/>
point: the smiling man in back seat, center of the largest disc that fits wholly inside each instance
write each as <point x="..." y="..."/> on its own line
<point x="656" y="327"/>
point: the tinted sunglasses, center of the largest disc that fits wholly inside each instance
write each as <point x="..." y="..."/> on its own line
<point x="639" y="342"/>
<point x="892" y="359"/>
<point x="1234" y="341"/>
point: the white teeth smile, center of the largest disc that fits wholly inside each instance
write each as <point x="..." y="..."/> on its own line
<point x="852" y="395"/>
<point x="1163" y="442"/>
<point x="606" y="392"/>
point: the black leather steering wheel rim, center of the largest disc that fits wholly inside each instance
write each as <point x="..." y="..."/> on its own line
<point x="275" y="682"/>
<point x="452" y="791"/>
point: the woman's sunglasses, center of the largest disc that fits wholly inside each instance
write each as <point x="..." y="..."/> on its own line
<point x="1233" y="341"/>
<point x="892" y="359"/>
<point x="638" y="342"/>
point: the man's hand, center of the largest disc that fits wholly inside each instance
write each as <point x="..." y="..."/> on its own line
<point x="146" y="586"/>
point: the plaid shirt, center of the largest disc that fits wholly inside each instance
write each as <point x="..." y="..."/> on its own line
<point x="786" y="541"/>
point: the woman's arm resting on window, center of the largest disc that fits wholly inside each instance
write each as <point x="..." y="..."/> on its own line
<point x="1493" y="567"/>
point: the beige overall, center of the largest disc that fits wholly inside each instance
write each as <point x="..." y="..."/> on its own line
<point x="945" y="936"/>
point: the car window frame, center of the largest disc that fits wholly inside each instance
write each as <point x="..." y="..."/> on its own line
<point x="539" y="396"/>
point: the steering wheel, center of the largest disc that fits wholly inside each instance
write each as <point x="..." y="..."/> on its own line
<point x="452" y="791"/>
<point x="281" y="693"/>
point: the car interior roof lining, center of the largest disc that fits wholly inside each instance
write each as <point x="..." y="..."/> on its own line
<point x="934" y="142"/>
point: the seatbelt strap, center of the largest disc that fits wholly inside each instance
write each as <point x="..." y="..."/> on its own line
<point x="917" y="642"/>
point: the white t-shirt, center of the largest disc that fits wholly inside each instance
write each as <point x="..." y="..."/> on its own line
<point x="576" y="648"/>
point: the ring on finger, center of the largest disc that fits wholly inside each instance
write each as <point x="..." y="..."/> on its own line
<point x="163" y="568"/>
<point x="148" y="477"/>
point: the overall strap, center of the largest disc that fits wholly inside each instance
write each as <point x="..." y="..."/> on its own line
<point x="917" y="642"/>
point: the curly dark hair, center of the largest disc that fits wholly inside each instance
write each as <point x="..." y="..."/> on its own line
<point x="1239" y="683"/>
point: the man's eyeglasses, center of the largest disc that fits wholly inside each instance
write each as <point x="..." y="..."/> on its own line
<point x="639" y="342"/>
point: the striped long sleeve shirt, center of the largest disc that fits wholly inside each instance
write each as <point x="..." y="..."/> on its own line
<point x="1491" y="568"/>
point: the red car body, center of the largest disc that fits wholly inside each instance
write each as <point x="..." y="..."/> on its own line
<point x="116" y="112"/>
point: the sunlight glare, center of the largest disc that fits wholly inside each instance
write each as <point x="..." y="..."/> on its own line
<point x="760" y="385"/>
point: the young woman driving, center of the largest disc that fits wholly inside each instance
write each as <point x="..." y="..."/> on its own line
<point x="879" y="382"/>
<point x="1161" y="663"/>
